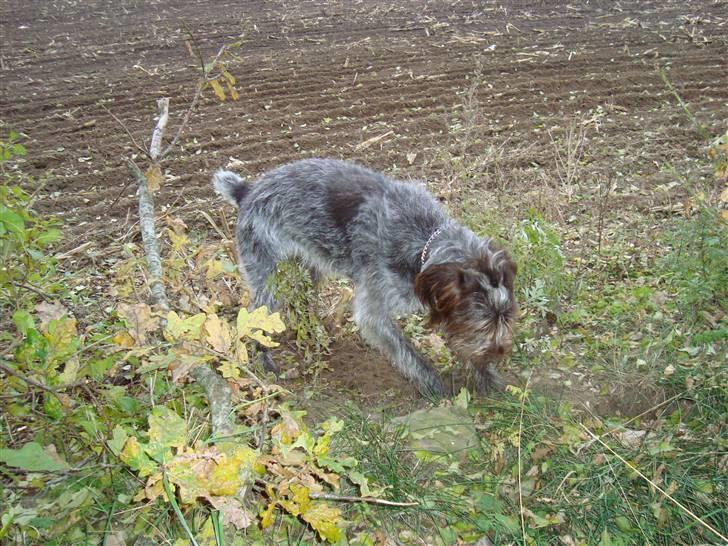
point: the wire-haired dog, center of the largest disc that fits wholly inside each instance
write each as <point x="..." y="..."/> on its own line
<point x="397" y="244"/>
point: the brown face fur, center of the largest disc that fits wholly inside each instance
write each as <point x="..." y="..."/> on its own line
<point x="474" y="303"/>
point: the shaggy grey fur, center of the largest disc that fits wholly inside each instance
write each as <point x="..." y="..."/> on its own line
<point x="342" y="219"/>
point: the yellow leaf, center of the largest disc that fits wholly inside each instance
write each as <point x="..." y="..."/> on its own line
<point x="264" y="340"/>
<point x="320" y="515"/>
<point x="241" y="353"/>
<point x="123" y="339"/>
<point x="179" y="241"/>
<point x="266" y="516"/>
<point x="189" y="328"/>
<point x="217" y="88"/>
<point x="724" y="195"/>
<point x="133" y="456"/>
<point x="213" y="268"/>
<point x="724" y="215"/>
<point x="154" y="487"/>
<point x="229" y="77"/>
<point x="260" y="321"/>
<point x="229" y="370"/>
<point x="154" y="177"/>
<point x="218" y="334"/>
<point x="233" y="92"/>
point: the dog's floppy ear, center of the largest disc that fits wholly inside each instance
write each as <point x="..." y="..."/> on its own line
<point x="510" y="269"/>
<point x="440" y="287"/>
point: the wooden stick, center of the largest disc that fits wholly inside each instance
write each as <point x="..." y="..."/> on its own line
<point x="368" y="500"/>
<point x="156" y="146"/>
<point x="149" y="238"/>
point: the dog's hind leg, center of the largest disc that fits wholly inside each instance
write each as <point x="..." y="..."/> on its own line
<point x="258" y="265"/>
<point x="380" y="331"/>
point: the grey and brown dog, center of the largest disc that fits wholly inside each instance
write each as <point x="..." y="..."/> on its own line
<point x="398" y="246"/>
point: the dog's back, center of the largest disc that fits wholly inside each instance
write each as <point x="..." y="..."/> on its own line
<point x="325" y="210"/>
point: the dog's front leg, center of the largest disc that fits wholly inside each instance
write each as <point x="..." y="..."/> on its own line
<point x="380" y="331"/>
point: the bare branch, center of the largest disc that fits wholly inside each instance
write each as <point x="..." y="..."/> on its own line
<point x="185" y="120"/>
<point x="149" y="238"/>
<point x="8" y="370"/>
<point x="156" y="144"/>
<point x="219" y="397"/>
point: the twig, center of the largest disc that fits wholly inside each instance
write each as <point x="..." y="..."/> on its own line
<point x="185" y="120"/>
<point x="76" y="250"/>
<point x="207" y="217"/>
<point x="28" y="380"/>
<point x="653" y="484"/>
<point x="196" y="46"/>
<point x="699" y="127"/>
<point x="38" y="291"/>
<point x="128" y="133"/>
<point x="196" y="98"/>
<point x="368" y="500"/>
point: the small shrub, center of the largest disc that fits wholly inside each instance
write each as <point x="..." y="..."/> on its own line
<point x="542" y="277"/>
<point x="697" y="267"/>
<point x="24" y="239"/>
<point x="292" y="284"/>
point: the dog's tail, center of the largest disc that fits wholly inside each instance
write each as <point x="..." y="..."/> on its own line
<point x="230" y="186"/>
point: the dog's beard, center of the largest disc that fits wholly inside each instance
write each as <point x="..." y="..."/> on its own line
<point x="488" y="339"/>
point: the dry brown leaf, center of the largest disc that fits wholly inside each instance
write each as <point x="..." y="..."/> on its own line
<point x="232" y="511"/>
<point x="49" y="311"/>
<point x="218" y="334"/>
<point x="139" y="319"/>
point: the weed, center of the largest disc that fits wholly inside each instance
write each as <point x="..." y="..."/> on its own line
<point x="27" y="269"/>
<point x="697" y="267"/>
<point x="294" y="287"/>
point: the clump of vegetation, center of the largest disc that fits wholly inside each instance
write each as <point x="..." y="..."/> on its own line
<point x="292" y="284"/>
<point x="698" y="264"/>
<point x="27" y="268"/>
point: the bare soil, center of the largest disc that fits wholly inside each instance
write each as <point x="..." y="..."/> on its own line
<point x="323" y="78"/>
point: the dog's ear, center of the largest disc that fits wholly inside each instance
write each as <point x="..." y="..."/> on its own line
<point x="440" y="287"/>
<point x="510" y="269"/>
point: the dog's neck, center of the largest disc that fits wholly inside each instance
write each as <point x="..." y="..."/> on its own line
<point x="451" y="243"/>
<point x="426" y="247"/>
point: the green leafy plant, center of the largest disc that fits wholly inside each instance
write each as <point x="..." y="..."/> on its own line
<point x="542" y="277"/>
<point x="697" y="266"/>
<point x="25" y="266"/>
<point x="293" y="285"/>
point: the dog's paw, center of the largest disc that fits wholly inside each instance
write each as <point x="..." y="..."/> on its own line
<point x="266" y="361"/>
<point x="433" y="389"/>
<point x="487" y="379"/>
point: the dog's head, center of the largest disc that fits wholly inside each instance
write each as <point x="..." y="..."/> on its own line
<point x="474" y="303"/>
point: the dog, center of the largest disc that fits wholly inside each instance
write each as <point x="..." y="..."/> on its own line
<point x="396" y="243"/>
